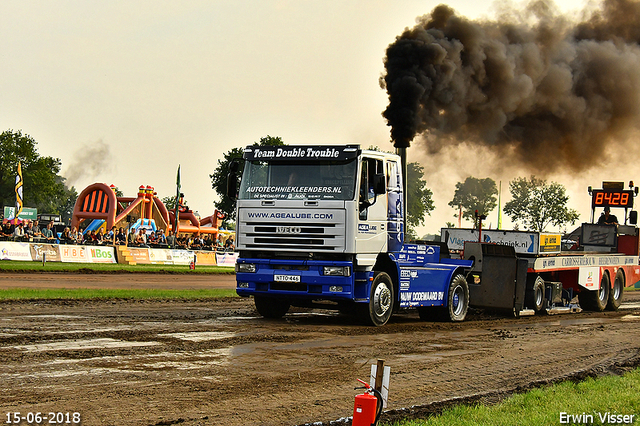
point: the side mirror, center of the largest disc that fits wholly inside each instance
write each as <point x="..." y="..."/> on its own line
<point x="232" y="185"/>
<point x="234" y="165"/>
<point x="232" y="178"/>
<point x="633" y="217"/>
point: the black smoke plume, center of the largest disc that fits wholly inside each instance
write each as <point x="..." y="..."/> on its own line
<point x="532" y="84"/>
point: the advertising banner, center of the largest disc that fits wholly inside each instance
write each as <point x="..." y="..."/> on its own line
<point x="550" y="243"/>
<point x="182" y="257"/>
<point x="51" y="251"/>
<point x="99" y="254"/>
<point x="522" y="242"/>
<point x="86" y="254"/>
<point x="10" y="250"/>
<point x="73" y="253"/>
<point x="226" y="259"/>
<point x="160" y="256"/>
<point x="140" y="255"/>
<point x="27" y="213"/>
<point x="14" y="251"/>
<point x="206" y="258"/>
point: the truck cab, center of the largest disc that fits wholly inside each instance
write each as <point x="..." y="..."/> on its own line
<point x="324" y="226"/>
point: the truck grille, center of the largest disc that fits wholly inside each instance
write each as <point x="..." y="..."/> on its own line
<point x="325" y="235"/>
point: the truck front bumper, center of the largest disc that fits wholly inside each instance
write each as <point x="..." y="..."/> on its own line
<point x="307" y="279"/>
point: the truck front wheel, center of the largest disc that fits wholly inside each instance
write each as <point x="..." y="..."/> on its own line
<point x="270" y="307"/>
<point x="380" y="307"/>
<point x="457" y="300"/>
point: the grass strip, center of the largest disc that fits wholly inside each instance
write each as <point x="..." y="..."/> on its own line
<point x="21" y="266"/>
<point x="86" y="293"/>
<point x="593" y="399"/>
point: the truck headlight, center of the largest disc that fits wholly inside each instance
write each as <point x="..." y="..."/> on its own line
<point x="245" y="267"/>
<point x="336" y="271"/>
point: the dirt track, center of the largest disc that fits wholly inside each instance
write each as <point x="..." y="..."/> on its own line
<point x="217" y="363"/>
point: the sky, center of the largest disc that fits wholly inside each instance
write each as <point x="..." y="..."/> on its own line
<point x="122" y="92"/>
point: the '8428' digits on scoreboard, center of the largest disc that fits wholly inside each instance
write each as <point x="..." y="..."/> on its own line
<point x="608" y="198"/>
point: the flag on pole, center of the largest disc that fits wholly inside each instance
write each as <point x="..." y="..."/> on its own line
<point x="177" y="212"/>
<point x="19" y="199"/>
<point x="500" y="207"/>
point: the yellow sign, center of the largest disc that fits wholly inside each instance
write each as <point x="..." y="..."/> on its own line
<point x="550" y="243"/>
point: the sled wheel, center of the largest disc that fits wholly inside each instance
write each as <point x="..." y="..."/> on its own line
<point x="534" y="297"/>
<point x="596" y="300"/>
<point x="615" y="295"/>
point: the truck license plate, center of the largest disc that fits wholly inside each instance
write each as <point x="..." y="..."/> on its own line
<point x="287" y="278"/>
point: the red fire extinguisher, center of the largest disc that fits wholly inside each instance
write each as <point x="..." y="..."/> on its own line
<point x="367" y="407"/>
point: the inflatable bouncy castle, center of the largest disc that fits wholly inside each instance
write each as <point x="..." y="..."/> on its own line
<point x="98" y="206"/>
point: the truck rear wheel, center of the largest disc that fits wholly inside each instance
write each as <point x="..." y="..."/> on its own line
<point x="380" y="307"/>
<point x="615" y="295"/>
<point x="596" y="300"/>
<point x="270" y="307"/>
<point x="534" y="297"/>
<point x="457" y="300"/>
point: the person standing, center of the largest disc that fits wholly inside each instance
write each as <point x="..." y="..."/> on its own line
<point x="7" y="230"/>
<point x="47" y="233"/>
<point x="28" y="232"/>
<point x="111" y="236"/>
<point x="18" y="232"/>
<point x="171" y="240"/>
<point x="74" y="236"/>
<point x="141" y="238"/>
<point x="606" y="218"/>
<point x="121" y="237"/>
<point x="65" y="238"/>
<point x="37" y="232"/>
<point x="132" y="237"/>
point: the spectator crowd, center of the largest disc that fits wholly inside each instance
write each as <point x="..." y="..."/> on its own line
<point x="31" y="231"/>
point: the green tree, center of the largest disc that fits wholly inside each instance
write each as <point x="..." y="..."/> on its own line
<point x="169" y="202"/>
<point x="67" y="204"/>
<point x="219" y="176"/>
<point x="43" y="188"/>
<point x="475" y="194"/>
<point x="538" y="204"/>
<point x="419" y="201"/>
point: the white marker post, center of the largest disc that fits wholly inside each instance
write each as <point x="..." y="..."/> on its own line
<point x="381" y="380"/>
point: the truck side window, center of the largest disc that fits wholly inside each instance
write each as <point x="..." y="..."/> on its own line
<point x="393" y="177"/>
<point x="368" y="197"/>
<point x="363" y="192"/>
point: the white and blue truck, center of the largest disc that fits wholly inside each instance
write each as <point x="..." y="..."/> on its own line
<point x="323" y="226"/>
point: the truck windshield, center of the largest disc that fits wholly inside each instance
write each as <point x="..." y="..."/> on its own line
<point x="333" y="180"/>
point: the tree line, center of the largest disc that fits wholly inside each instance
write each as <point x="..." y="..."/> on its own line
<point x="45" y="189"/>
<point x="535" y="203"/>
